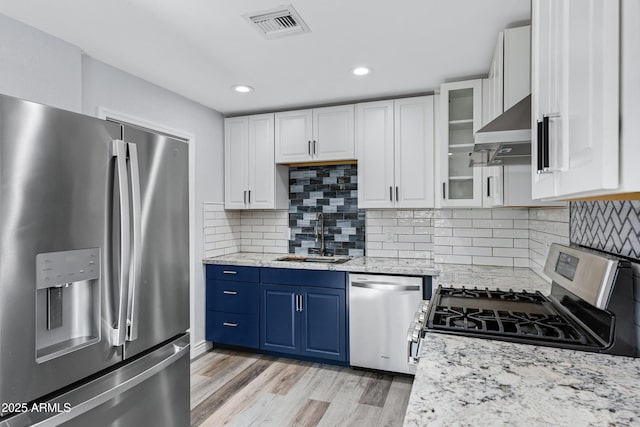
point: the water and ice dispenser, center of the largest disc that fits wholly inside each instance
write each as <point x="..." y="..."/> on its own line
<point x="67" y="302"/>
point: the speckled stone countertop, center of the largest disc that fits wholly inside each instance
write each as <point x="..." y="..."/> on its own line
<point x="445" y="274"/>
<point x="463" y="381"/>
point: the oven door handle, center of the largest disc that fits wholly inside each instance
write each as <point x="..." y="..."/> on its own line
<point x="385" y="286"/>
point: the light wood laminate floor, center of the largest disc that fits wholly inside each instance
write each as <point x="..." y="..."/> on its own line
<point x="244" y="389"/>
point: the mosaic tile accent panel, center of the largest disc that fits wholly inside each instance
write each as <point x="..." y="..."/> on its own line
<point x="332" y="190"/>
<point x="612" y="226"/>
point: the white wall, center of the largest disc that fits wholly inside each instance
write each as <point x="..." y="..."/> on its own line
<point x="107" y="87"/>
<point x="38" y="67"/>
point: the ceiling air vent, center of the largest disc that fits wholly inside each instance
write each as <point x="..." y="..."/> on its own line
<point x="278" y="22"/>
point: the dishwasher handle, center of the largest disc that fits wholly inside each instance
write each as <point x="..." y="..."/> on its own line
<point x="385" y="286"/>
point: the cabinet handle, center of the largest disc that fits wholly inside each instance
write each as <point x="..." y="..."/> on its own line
<point x="397" y="194"/>
<point x="314" y="147"/>
<point x="297" y="303"/>
<point x="545" y="142"/>
<point x="301" y="303"/>
<point x="540" y="144"/>
<point x="231" y="325"/>
<point x="444" y="191"/>
<point x="244" y="197"/>
<point x="249" y="196"/>
<point x="230" y="292"/>
<point x="488" y="186"/>
<point x="309" y="147"/>
<point x="391" y="194"/>
<point x="229" y="272"/>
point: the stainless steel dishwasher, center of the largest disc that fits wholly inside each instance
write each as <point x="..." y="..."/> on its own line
<point x="380" y="308"/>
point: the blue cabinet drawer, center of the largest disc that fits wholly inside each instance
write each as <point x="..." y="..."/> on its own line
<point x="233" y="297"/>
<point x="300" y="277"/>
<point x="233" y="328"/>
<point x="233" y="272"/>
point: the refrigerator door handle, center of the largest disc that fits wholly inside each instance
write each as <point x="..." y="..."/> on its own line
<point x="112" y="385"/>
<point x="119" y="151"/>
<point x="136" y="262"/>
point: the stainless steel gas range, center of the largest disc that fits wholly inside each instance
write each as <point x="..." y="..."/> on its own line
<point x="590" y="308"/>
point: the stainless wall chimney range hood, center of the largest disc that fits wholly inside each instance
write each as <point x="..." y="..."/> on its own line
<point x="506" y="140"/>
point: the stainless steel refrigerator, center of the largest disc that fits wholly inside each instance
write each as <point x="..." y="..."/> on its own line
<point x="94" y="271"/>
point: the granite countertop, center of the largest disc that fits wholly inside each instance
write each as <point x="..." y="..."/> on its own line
<point x="466" y="381"/>
<point x="445" y="274"/>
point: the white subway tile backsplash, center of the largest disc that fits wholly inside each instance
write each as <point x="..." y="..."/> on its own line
<point x="493" y="223"/>
<point x="452" y="241"/>
<point x="465" y="250"/>
<point x="472" y="213"/>
<point x="511" y="232"/>
<point x="472" y="232"/>
<point x="493" y="243"/>
<point x="446" y="222"/>
<point x="511" y="252"/>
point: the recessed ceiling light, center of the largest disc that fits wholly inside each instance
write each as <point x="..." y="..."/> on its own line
<point x="361" y="71"/>
<point x="242" y="88"/>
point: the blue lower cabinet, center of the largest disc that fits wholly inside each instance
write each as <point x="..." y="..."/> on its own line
<point x="323" y="324"/>
<point x="278" y="319"/>
<point x="233" y="329"/>
<point x="305" y="321"/>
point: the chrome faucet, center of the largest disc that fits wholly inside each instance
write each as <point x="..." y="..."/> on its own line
<point x="320" y="219"/>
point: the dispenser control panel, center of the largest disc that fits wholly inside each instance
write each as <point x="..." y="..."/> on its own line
<point x="59" y="268"/>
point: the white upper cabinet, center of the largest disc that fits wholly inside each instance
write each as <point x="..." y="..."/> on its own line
<point x="252" y="179"/>
<point x="317" y="135"/>
<point x="576" y="146"/>
<point x="333" y="133"/>
<point x="294" y="135"/>
<point x="236" y="151"/>
<point x="460" y="117"/>
<point x="376" y="167"/>
<point x="414" y="152"/>
<point x="395" y="142"/>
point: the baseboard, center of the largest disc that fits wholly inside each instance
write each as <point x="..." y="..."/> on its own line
<point x="200" y="348"/>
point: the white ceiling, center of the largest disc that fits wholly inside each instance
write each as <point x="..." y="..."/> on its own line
<point x="200" y="48"/>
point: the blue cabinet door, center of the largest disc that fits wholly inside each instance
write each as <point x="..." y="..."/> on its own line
<point x="278" y="319"/>
<point x="323" y="323"/>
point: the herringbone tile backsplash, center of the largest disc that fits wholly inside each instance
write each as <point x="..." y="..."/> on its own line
<point x="609" y="226"/>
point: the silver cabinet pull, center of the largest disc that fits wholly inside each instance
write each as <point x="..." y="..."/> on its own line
<point x="230" y="292"/>
<point x="444" y="191"/>
<point x="309" y="147"/>
<point x="230" y="324"/>
<point x="397" y="194"/>
<point x="244" y="197"/>
<point x="229" y="272"/>
<point x="314" y="148"/>
<point x="301" y="303"/>
<point x="391" y="194"/>
<point x="297" y="303"/>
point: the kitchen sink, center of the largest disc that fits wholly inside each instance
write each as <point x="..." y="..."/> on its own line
<point x="316" y="259"/>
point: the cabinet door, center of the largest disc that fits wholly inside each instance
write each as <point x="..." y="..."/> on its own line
<point x="261" y="162"/>
<point x="496" y="81"/>
<point x="293" y="136"/>
<point x="323" y="323"/>
<point x="278" y="319"/>
<point x="546" y="88"/>
<point x="236" y="150"/>
<point x="460" y="117"/>
<point x="374" y="134"/>
<point x="333" y="133"/>
<point x="414" y="151"/>
<point x="590" y="146"/>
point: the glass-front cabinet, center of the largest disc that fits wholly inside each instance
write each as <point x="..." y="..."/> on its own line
<point x="460" y="117"/>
